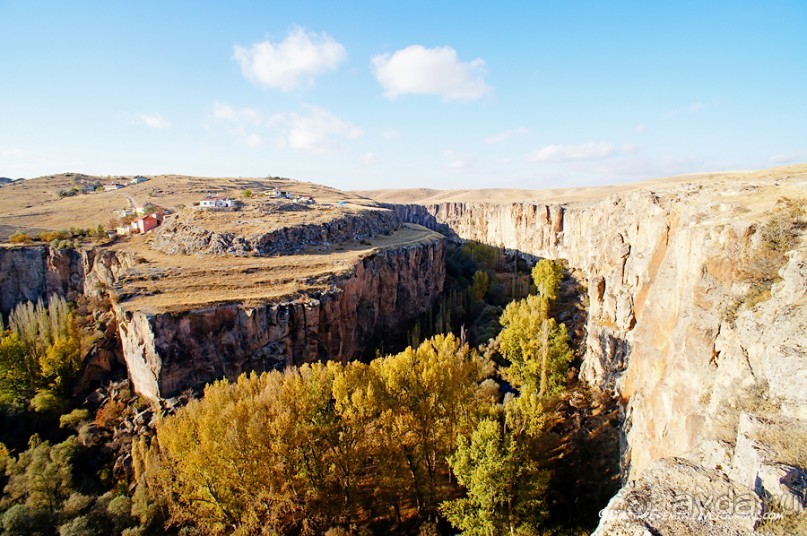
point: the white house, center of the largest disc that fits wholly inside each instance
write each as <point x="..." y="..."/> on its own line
<point x="217" y="203"/>
<point x="112" y="186"/>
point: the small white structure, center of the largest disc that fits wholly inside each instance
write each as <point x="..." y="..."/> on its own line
<point x="139" y="179"/>
<point x="217" y="203"/>
<point x="112" y="186"/>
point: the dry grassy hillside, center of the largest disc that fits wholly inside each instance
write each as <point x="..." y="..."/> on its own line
<point x="160" y="282"/>
<point x="34" y="205"/>
<point x="428" y="196"/>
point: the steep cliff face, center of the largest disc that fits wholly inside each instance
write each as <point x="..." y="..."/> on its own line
<point x="31" y="273"/>
<point x="673" y="329"/>
<point x="166" y="353"/>
<point x="183" y="234"/>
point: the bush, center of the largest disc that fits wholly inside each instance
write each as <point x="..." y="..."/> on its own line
<point x="50" y="236"/>
<point x="21" y="519"/>
<point x="110" y="414"/>
<point x="46" y="401"/>
<point x="74" y="418"/>
<point x="79" y="526"/>
<point x="19" y="238"/>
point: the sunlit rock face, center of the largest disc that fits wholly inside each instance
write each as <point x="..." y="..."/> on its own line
<point x="168" y="352"/>
<point x="675" y="329"/>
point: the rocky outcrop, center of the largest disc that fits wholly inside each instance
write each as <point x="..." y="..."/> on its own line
<point x="182" y="234"/>
<point x="675" y="496"/>
<point x="31" y="273"/>
<point x="168" y="352"/>
<point x="673" y="331"/>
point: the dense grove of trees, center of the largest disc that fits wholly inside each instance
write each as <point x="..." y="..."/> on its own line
<point x="40" y="355"/>
<point x="405" y="439"/>
<point x="439" y="434"/>
<point x="46" y="486"/>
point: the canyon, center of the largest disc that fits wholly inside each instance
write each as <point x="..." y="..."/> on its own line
<point x="700" y="370"/>
<point x="706" y="364"/>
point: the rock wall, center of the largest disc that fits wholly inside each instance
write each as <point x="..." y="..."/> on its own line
<point x="166" y="353"/>
<point x="666" y="333"/>
<point x="30" y="273"/>
<point x="182" y="235"/>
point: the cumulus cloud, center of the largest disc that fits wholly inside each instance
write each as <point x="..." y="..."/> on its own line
<point x="391" y="134"/>
<point x="154" y="121"/>
<point x="299" y="57"/>
<point x="240" y="115"/>
<point x="318" y="130"/>
<point x="506" y="135"/>
<point x="369" y="158"/>
<point x="430" y="71"/>
<point x="568" y="153"/>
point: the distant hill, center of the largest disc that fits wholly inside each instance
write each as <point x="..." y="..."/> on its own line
<point x="428" y="196"/>
<point x="5" y="180"/>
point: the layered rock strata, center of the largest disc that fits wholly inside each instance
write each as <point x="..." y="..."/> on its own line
<point x="676" y="328"/>
<point x="31" y="273"/>
<point x="169" y="352"/>
<point x="183" y="235"/>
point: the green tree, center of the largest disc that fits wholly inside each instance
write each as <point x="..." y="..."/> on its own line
<point x="535" y="345"/>
<point x="17" y="371"/>
<point x="504" y="487"/>
<point x="41" y="477"/>
<point x="481" y="284"/>
<point x="547" y="275"/>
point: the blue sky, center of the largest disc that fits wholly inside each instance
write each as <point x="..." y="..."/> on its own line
<point x="401" y="94"/>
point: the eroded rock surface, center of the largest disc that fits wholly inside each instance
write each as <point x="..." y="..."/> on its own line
<point x="168" y="352"/>
<point x="677" y="328"/>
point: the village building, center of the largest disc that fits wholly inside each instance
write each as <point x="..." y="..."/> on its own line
<point x="145" y="224"/>
<point x="304" y="200"/>
<point x="139" y="179"/>
<point x="217" y="203"/>
<point x="112" y="186"/>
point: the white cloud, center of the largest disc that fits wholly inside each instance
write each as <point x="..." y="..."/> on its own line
<point x="316" y="131"/>
<point x="14" y="153"/>
<point x="506" y="135"/>
<point x="692" y="108"/>
<point x="430" y="71"/>
<point x="154" y="121"/>
<point x="300" y="56"/>
<point x="458" y="162"/>
<point x="567" y="153"/>
<point x="251" y="140"/>
<point x="240" y="115"/>
<point x="788" y="158"/>
<point x="391" y="134"/>
<point x="641" y="127"/>
<point x="369" y="158"/>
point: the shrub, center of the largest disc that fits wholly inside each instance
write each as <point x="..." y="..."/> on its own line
<point x="110" y="414"/>
<point x="74" y="418"/>
<point x="50" y="236"/>
<point x="19" y="238"/>
<point x="46" y="401"/>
